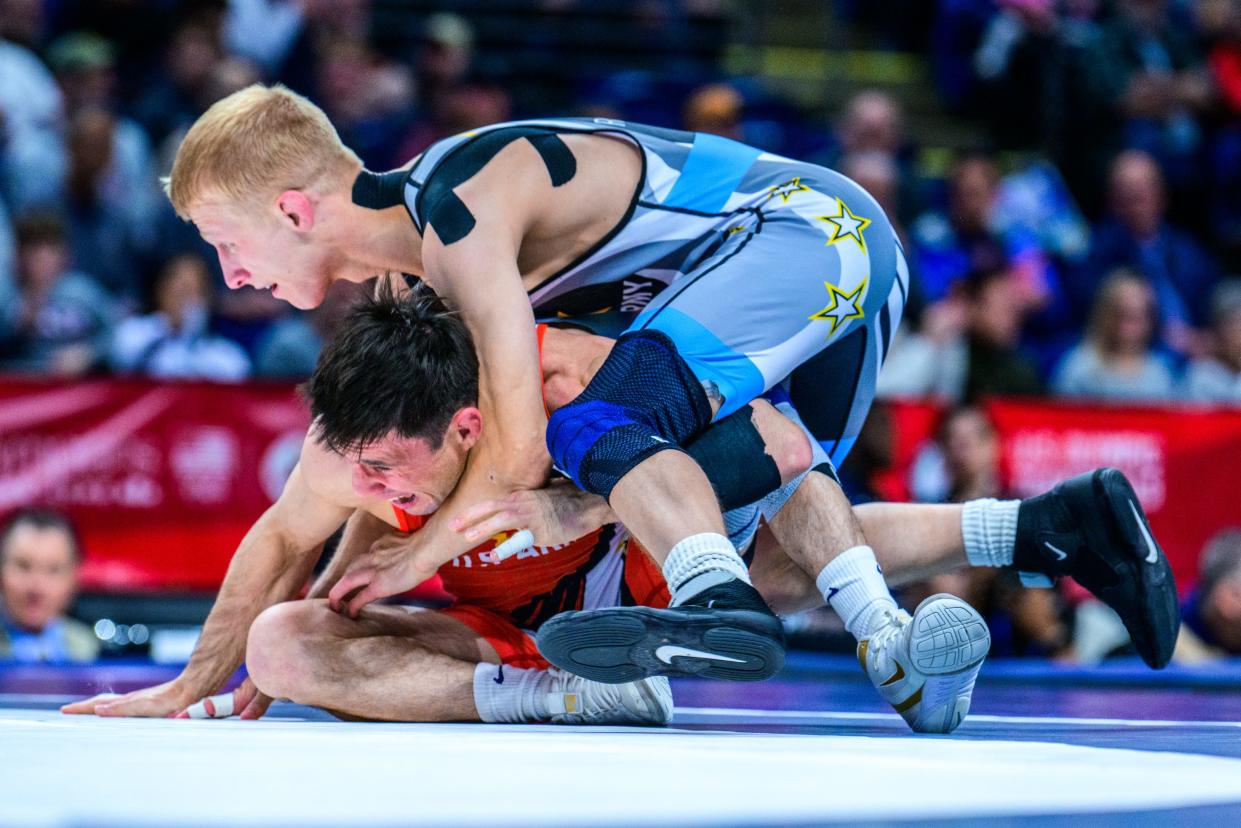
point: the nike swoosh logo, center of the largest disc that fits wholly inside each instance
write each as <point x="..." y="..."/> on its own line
<point x="499" y="678"/>
<point x="1055" y="550"/>
<point x="670" y="651"/>
<point x="897" y="676"/>
<point x="1152" y="553"/>
<point x="831" y="592"/>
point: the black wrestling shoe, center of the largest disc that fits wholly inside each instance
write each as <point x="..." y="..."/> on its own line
<point x="724" y="632"/>
<point x="1093" y="529"/>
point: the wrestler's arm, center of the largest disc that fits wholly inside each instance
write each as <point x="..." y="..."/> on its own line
<point x="561" y="512"/>
<point x="361" y="532"/>
<point x="270" y="565"/>
<point x="477" y="273"/>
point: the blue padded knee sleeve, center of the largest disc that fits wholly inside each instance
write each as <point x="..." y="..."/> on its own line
<point x="643" y="400"/>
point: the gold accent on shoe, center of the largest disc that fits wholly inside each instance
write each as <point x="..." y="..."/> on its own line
<point x="909" y="702"/>
<point x="897" y="676"/>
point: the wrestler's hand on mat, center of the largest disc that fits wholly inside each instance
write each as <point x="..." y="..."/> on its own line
<point x="558" y="514"/>
<point x="246" y="699"/>
<point x="160" y="701"/>
<point x="392" y="566"/>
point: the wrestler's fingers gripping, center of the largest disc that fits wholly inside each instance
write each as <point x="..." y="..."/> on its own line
<point x="372" y="592"/>
<point x="351" y="580"/>
<point x="504" y="521"/>
<point x="475" y="514"/>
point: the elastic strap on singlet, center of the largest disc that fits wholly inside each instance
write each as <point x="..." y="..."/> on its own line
<point x="407" y="522"/>
<point x="539" y="332"/>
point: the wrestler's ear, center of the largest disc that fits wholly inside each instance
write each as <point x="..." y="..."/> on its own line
<point x="467" y="426"/>
<point x="297" y="210"/>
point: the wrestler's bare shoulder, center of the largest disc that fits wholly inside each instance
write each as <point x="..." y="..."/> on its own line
<point x="558" y="212"/>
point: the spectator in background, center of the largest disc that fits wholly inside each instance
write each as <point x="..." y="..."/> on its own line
<point x="1156" y="82"/>
<point x="127" y="187"/>
<point x="24" y="22"/>
<point x="1116" y="359"/>
<point x="873" y="452"/>
<point x="172" y="99"/>
<point x="174" y="341"/>
<point x="62" y="319"/>
<point x="951" y="243"/>
<point x="1022" y="621"/>
<point x="291" y="348"/>
<point x="968" y="346"/>
<point x="8" y="260"/>
<point x="1212" y="613"/>
<point x="877" y="172"/>
<point x="715" y="108"/>
<point x="1040" y="90"/>
<point x="32" y="148"/>
<point x="874" y="122"/>
<point x="102" y="234"/>
<point x="1217" y="378"/>
<point x="445" y="56"/>
<point x="264" y="31"/>
<point x="39" y="558"/>
<point x="320" y="22"/>
<point x="369" y="99"/>
<point x="464" y="107"/>
<point x="1138" y="236"/>
<point x="1221" y="21"/>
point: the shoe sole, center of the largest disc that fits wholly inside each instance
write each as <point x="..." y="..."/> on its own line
<point x="947" y="636"/>
<point x="1158" y="608"/>
<point x="619" y="644"/>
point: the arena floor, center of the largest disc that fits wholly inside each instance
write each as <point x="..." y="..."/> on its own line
<point x="1044" y="745"/>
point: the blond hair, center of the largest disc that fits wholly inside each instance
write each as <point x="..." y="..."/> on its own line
<point x="253" y="144"/>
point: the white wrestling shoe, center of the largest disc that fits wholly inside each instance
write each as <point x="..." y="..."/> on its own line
<point x="578" y="701"/>
<point x="925" y="666"/>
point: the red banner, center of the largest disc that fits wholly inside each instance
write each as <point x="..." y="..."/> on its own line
<point x="164" y="479"/>
<point x="1184" y="463"/>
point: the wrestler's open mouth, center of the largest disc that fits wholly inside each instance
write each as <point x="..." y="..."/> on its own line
<point x="404" y="500"/>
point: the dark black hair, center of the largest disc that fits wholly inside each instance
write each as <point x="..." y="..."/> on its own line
<point x="402" y="363"/>
<point x="43" y="518"/>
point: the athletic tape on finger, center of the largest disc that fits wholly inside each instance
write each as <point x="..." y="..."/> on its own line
<point x="519" y="542"/>
<point x="221" y="707"/>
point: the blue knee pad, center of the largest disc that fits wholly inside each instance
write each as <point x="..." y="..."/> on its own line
<point x="643" y="400"/>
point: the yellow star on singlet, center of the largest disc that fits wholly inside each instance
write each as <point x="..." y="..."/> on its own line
<point x="845" y="225"/>
<point x="842" y="307"/>
<point x="786" y="190"/>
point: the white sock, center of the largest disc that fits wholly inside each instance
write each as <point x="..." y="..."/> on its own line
<point x="852" y="583"/>
<point x="511" y="694"/>
<point x="702" y="561"/>
<point x="989" y="527"/>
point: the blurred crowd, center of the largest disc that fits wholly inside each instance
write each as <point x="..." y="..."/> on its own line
<point x="1081" y="248"/>
<point x="1084" y="244"/>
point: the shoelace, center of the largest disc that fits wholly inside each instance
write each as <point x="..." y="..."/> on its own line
<point x="595" y="702"/>
<point x="893" y="625"/>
